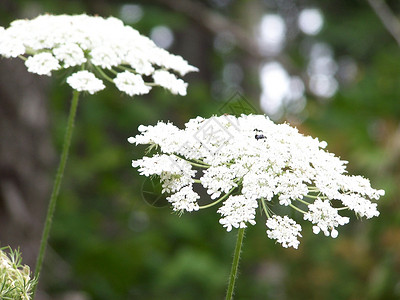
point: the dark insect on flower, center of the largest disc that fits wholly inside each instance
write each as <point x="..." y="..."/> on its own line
<point x="259" y="136"/>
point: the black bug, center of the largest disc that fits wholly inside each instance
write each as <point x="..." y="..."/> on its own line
<point x="259" y="136"/>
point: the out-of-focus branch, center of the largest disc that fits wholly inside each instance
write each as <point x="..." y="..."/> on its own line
<point x="217" y="23"/>
<point x="214" y="22"/>
<point x="389" y="20"/>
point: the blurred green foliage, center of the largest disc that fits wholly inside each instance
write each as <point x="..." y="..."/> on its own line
<point x="110" y="244"/>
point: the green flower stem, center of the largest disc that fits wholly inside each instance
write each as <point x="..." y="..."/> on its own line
<point x="105" y="76"/>
<point x="126" y="68"/>
<point x="342" y="208"/>
<point x="296" y="208"/>
<point x="201" y="162"/>
<point x="313" y="188"/>
<point x="302" y="201"/>
<point x="219" y="200"/>
<point x="56" y="186"/>
<point x="264" y="207"/>
<point x="151" y="84"/>
<point x="195" y="163"/>
<point x="235" y="264"/>
<point x="113" y="71"/>
<point x="315" y="197"/>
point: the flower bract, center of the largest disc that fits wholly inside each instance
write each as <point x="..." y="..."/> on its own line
<point x="15" y="278"/>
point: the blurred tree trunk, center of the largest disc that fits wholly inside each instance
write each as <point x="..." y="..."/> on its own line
<point x="26" y="155"/>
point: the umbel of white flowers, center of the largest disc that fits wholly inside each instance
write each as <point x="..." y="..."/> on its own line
<point x="15" y="278"/>
<point x="250" y="162"/>
<point x="93" y="47"/>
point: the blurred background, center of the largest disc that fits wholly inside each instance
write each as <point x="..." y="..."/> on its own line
<point x="330" y="68"/>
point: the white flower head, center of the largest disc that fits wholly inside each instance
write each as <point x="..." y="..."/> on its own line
<point x="105" y="45"/>
<point x="105" y="57"/>
<point x="248" y="162"/>
<point x="237" y="211"/>
<point x="70" y="54"/>
<point x="84" y="81"/>
<point x="130" y="83"/>
<point x="325" y="217"/>
<point x="218" y="180"/>
<point x="42" y="64"/>
<point x="360" y="205"/>
<point x="284" y="230"/>
<point x="174" y="173"/>
<point x="184" y="200"/>
<point x="170" y="82"/>
<point x="10" y="47"/>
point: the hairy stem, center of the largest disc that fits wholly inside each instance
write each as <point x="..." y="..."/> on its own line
<point x="56" y="186"/>
<point x="235" y="264"/>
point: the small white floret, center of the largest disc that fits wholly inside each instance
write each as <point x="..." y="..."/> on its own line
<point x="85" y="81"/>
<point x="131" y="84"/>
<point x="42" y="63"/>
<point x="237" y="211"/>
<point x="170" y="82"/>
<point x="284" y="230"/>
<point x="70" y="54"/>
<point x="325" y="218"/>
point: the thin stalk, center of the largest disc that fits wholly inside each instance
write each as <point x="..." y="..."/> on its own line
<point x="105" y="76"/>
<point x="302" y="201"/>
<point x="195" y="163"/>
<point x="315" y="197"/>
<point x="125" y="68"/>
<point x="296" y="208"/>
<point x="342" y="208"/>
<point x="264" y="207"/>
<point x="56" y="186"/>
<point x="235" y="264"/>
<point x="314" y="188"/>
<point x="219" y="200"/>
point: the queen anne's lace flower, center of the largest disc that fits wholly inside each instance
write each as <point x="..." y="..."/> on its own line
<point x="250" y="162"/>
<point x="104" y="47"/>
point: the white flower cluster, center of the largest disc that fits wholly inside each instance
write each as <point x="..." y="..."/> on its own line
<point x="237" y="210"/>
<point x="325" y="216"/>
<point x="106" y="47"/>
<point x="15" y="279"/>
<point x="284" y="230"/>
<point x="248" y="162"/>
